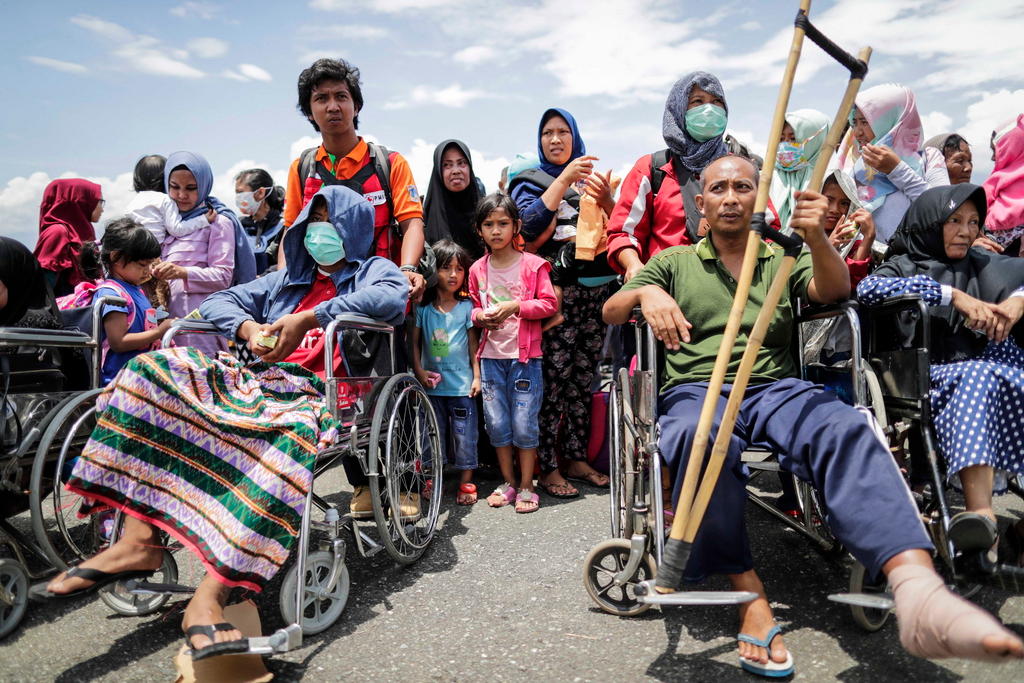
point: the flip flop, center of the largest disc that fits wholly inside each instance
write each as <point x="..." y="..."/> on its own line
<point x="231" y="647"/>
<point x="501" y="496"/>
<point x="771" y="668"/>
<point x="971" y="532"/>
<point x="588" y="479"/>
<point x="39" y="592"/>
<point x="551" y="490"/>
<point x="527" y="498"/>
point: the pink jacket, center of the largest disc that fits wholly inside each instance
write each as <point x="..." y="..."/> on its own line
<point x="538" y="301"/>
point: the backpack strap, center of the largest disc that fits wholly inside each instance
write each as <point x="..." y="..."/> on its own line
<point x="123" y="293"/>
<point x="307" y="160"/>
<point x="380" y="159"/>
<point x="688" y="189"/>
<point x="543" y="180"/>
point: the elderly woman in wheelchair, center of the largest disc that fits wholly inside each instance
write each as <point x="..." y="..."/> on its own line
<point x="220" y="455"/>
<point x="975" y="300"/>
<point x="684" y="294"/>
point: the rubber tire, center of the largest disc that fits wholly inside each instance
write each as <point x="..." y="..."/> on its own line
<point x="626" y="607"/>
<point x="14" y="580"/>
<point x="382" y="429"/>
<point x="869" y="619"/>
<point x="338" y="598"/>
<point x="39" y="485"/>
<point x="629" y="445"/>
<point x="614" y="448"/>
<point x="142" y="605"/>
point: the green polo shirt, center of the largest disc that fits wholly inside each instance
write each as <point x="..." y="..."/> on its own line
<point x="704" y="288"/>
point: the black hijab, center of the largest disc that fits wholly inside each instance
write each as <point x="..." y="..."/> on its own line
<point x="917" y="248"/>
<point x="450" y="214"/>
<point x="29" y="301"/>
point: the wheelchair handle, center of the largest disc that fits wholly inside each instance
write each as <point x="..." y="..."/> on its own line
<point x="187" y="326"/>
<point x="353" y="321"/>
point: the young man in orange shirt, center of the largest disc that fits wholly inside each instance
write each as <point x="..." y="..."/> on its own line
<point x="331" y="98"/>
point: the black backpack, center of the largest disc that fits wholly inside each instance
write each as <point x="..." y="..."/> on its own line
<point x="380" y="164"/>
<point x="689" y="188"/>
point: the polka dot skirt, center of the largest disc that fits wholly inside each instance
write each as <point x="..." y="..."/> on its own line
<point x="979" y="412"/>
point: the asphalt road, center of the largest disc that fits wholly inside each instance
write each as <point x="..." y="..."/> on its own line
<point x="499" y="596"/>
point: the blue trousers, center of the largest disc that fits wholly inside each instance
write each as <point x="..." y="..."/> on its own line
<point x="819" y="439"/>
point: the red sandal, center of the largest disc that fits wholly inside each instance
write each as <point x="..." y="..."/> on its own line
<point x="469" y="488"/>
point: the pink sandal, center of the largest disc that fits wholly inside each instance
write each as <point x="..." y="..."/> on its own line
<point x="502" y="496"/>
<point x="527" y="501"/>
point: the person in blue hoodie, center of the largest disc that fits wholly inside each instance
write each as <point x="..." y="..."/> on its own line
<point x="216" y="453"/>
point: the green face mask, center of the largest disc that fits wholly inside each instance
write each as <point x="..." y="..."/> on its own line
<point x="324" y="244"/>
<point x="706" y="121"/>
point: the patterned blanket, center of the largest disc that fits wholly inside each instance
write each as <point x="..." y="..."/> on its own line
<point x="218" y="454"/>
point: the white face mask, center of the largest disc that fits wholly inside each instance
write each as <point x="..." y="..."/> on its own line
<point x="247" y="203"/>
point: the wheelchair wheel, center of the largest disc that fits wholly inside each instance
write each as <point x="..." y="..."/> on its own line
<point x="614" y="466"/>
<point x="814" y="520"/>
<point x="627" y="455"/>
<point x="321" y="604"/>
<point x="133" y="605"/>
<point x="404" y="442"/>
<point x="602" y="563"/>
<point x="63" y="536"/>
<point x="867" y="618"/>
<point x="13" y="595"/>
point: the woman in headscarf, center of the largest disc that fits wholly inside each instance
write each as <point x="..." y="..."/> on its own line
<point x="1005" y="187"/>
<point x="976" y="299"/>
<point x="260" y="202"/>
<point x="957" y="153"/>
<point x="69" y="208"/>
<point x="548" y="200"/>
<point x="850" y="227"/>
<point x="25" y="298"/>
<point x="451" y="198"/>
<point x="883" y="152"/>
<point x="202" y="262"/>
<point x="803" y="135"/>
<point x="218" y="454"/>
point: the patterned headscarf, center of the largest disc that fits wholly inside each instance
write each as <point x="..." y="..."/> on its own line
<point x="810" y="128"/>
<point x="1005" y="187"/>
<point x="891" y="111"/>
<point x="694" y="155"/>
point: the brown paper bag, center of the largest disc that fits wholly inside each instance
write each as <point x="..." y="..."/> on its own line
<point x="227" y="668"/>
<point x="591" y="237"/>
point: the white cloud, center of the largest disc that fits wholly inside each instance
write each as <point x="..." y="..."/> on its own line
<point x="992" y="109"/>
<point x="384" y="6"/>
<point x="254" y="72"/>
<point x="935" y="123"/>
<point x="201" y="10"/>
<point x="342" y="32"/>
<point x="421" y="161"/>
<point x="750" y="26"/>
<point x="475" y="54"/>
<point x="59" y="65"/>
<point x="452" y="96"/>
<point x="233" y="75"/>
<point x="208" y="48"/>
<point x="139" y="52"/>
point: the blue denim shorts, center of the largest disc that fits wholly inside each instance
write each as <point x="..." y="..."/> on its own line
<point x="512" y="396"/>
<point x="457" y="426"/>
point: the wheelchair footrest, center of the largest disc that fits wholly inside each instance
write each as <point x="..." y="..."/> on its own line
<point x="281" y="640"/>
<point x="647" y="594"/>
<point x="867" y="600"/>
<point x="139" y="587"/>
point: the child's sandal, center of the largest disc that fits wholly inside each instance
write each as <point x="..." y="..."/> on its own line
<point x="502" y="496"/>
<point x="527" y="501"/>
<point x="465" y="491"/>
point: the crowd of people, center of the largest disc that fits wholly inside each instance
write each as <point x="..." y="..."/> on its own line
<point x="509" y="301"/>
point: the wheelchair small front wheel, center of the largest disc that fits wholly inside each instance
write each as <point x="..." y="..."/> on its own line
<point x="600" y="567"/>
<point x="13" y="595"/>
<point x="867" y="618"/>
<point x="322" y="604"/>
<point x="127" y="604"/>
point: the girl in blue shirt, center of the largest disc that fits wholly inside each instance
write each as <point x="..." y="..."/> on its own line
<point x="444" y="359"/>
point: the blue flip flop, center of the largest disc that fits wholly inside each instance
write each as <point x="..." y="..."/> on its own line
<point x="770" y="669"/>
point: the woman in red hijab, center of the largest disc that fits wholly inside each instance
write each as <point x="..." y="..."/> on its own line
<point x="69" y="208"/>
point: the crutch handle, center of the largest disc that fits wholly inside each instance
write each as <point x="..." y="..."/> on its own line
<point x="673" y="564"/>
<point x="857" y="68"/>
<point x="791" y="244"/>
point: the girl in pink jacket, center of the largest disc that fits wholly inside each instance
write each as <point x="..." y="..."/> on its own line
<point x="511" y="292"/>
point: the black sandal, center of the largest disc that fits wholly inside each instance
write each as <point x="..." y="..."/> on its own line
<point x="99" y="578"/>
<point x="972" y="532"/>
<point x="231" y="647"/>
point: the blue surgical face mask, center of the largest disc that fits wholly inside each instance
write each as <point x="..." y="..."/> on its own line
<point x="706" y="121"/>
<point x="790" y="156"/>
<point x="324" y="243"/>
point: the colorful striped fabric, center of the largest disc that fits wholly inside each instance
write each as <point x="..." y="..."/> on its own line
<point x="218" y="454"/>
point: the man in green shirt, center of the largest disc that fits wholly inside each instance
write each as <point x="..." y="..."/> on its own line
<point x="685" y="294"/>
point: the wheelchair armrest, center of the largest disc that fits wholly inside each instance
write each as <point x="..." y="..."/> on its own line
<point x="188" y="326"/>
<point x="29" y="336"/>
<point x="895" y="303"/>
<point x="354" y="321"/>
<point x="825" y="311"/>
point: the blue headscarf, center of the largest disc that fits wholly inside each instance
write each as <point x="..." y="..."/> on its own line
<point x="693" y="154"/>
<point x="578" y="148"/>
<point x="245" y="259"/>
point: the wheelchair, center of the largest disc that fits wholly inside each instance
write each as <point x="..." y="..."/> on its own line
<point x="614" y="568"/>
<point x="387" y="424"/>
<point x="50" y="381"/>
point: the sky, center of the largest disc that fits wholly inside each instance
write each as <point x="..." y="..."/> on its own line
<point x="93" y="86"/>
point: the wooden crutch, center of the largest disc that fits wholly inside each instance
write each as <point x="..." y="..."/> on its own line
<point x="693" y="503"/>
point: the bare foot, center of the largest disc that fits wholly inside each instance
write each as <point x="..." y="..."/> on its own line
<point x="206" y="608"/>
<point x="128" y="554"/>
<point x="756" y="620"/>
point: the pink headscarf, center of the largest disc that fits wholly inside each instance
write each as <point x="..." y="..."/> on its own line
<point x="64" y="224"/>
<point x="1005" y="187"/>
